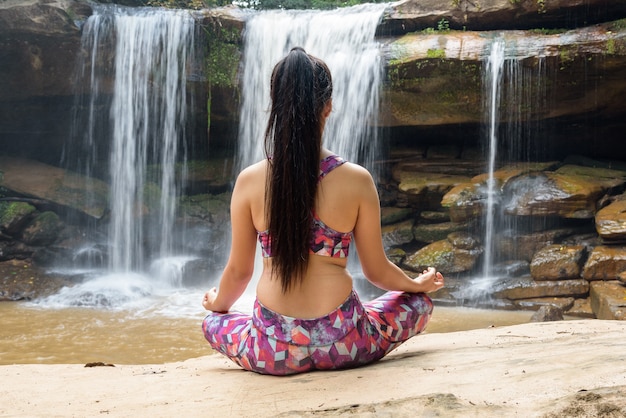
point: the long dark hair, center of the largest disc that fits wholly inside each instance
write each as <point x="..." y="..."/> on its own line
<point x="301" y="86"/>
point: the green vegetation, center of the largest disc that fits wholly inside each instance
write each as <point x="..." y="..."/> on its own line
<point x="443" y="26"/>
<point x="541" y="6"/>
<point x="610" y="46"/>
<point x="618" y="25"/>
<point x="222" y="58"/>
<point x="543" y="31"/>
<point x="435" y="53"/>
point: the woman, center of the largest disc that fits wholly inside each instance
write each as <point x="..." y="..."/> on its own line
<point x="305" y="206"/>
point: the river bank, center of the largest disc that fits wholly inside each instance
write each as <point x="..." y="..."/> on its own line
<point x="567" y="368"/>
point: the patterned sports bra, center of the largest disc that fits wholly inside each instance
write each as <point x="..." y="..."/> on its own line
<point x="325" y="241"/>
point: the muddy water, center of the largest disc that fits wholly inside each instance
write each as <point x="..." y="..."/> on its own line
<point x="31" y="334"/>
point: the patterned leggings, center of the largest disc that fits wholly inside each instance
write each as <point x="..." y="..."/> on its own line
<point x="352" y="335"/>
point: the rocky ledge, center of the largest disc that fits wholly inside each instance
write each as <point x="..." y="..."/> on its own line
<point x="548" y="370"/>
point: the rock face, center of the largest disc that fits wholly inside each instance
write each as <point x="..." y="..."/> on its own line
<point x="39" y="44"/>
<point x="414" y="15"/>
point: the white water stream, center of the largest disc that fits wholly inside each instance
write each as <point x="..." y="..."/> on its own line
<point x="344" y="39"/>
<point x="493" y="81"/>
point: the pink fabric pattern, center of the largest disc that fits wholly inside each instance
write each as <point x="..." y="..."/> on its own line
<point x="325" y="241"/>
<point x="353" y="335"/>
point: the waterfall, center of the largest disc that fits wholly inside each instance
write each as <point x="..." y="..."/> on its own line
<point x="129" y="124"/>
<point x="344" y="39"/>
<point x="493" y="80"/>
<point x="144" y="121"/>
<point x="515" y="92"/>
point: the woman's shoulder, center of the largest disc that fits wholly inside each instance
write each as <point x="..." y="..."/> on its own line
<point x="356" y="172"/>
<point x="252" y="172"/>
<point x="252" y="177"/>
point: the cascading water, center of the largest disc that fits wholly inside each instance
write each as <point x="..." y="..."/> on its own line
<point x="493" y="80"/>
<point x="514" y="92"/>
<point x="344" y="39"/>
<point x="142" y="115"/>
<point x="148" y="114"/>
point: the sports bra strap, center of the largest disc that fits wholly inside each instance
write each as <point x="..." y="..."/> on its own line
<point x="328" y="164"/>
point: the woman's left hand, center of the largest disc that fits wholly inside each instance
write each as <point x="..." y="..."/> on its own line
<point x="209" y="299"/>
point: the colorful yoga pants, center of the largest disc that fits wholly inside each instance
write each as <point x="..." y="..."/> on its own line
<point x="353" y="335"/>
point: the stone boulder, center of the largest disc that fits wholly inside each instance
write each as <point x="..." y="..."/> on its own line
<point x="527" y="288"/>
<point x="607" y="300"/>
<point x="49" y="187"/>
<point x="567" y="192"/>
<point x="468" y="200"/>
<point x="413" y="15"/>
<point x="605" y="263"/>
<point x="444" y="256"/>
<point x="611" y="220"/>
<point x="43" y="230"/>
<point x="523" y="246"/>
<point x="547" y="313"/>
<point x="397" y="234"/>
<point x="557" y="262"/>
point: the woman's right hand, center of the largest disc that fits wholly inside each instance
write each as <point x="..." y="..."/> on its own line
<point x="209" y="299"/>
<point x="430" y="280"/>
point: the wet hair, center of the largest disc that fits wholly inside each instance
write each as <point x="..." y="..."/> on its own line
<point x="301" y="86"/>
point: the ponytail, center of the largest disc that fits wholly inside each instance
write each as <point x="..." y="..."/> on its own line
<point x="300" y="87"/>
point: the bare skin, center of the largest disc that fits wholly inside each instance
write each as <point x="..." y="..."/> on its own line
<point x="347" y="200"/>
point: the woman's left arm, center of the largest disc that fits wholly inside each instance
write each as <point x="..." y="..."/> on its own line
<point x="240" y="265"/>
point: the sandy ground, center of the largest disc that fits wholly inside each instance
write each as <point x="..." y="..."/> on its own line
<point x="554" y="369"/>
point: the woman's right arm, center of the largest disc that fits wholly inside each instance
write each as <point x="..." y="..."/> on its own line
<point x="240" y="265"/>
<point x="368" y="238"/>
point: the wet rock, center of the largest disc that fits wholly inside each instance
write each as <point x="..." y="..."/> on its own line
<point x="434" y="216"/>
<point x="444" y="256"/>
<point x="468" y="200"/>
<point x="423" y="185"/>
<point x="463" y="240"/>
<point x="21" y="280"/>
<point x="425" y="190"/>
<point x="588" y="240"/>
<point x="557" y="262"/>
<point x="214" y="209"/>
<point x="391" y="215"/>
<point x="535" y="304"/>
<point x="581" y="309"/>
<point x="212" y="176"/>
<point x="527" y="288"/>
<point x="608" y="300"/>
<point x="436" y="232"/>
<point x="524" y="246"/>
<point x="55" y="188"/>
<point x="14" y="215"/>
<point x="15" y="250"/>
<point x="605" y="263"/>
<point x="396" y="255"/>
<point x="555" y="194"/>
<point x="43" y="230"/>
<point x="397" y="234"/>
<point x="611" y="221"/>
<point x="511" y="268"/>
<point x="547" y="313"/>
